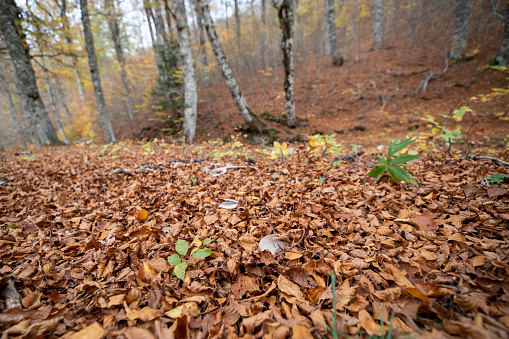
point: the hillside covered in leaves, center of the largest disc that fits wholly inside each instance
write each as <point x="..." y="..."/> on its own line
<point x="86" y="233"/>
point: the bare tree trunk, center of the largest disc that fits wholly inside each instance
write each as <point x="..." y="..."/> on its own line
<point x="113" y="24"/>
<point x="168" y="18"/>
<point x="226" y="15"/>
<point x="13" y="38"/>
<point x="238" y="98"/>
<point x="265" y="35"/>
<point x="63" y="100"/>
<point x="202" y="51"/>
<point x="12" y="111"/>
<point x="103" y="120"/>
<point x="51" y="97"/>
<point x="29" y="127"/>
<point x="186" y="53"/>
<point x="285" y="15"/>
<point x="330" y="18"/>
<point x="503" y="53"/>
<point x="74" y="59"/>
<point x="378" y="25"/>
<point x="460" y="35"/>
<point x="162" y="72"/>
<point x="237" y="25"/>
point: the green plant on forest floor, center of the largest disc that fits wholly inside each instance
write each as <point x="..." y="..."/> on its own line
<point x="390" y="164"/>
<point x="449" y="135"/>
<point x="324" y="144"/>
<point x="495" y="179"/>
<point x="182" y="247"/>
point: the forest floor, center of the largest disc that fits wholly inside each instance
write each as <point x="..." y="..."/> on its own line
<point x="86" y="231"/>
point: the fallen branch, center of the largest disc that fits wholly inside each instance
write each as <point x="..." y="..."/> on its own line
<point x="475" y="157"/>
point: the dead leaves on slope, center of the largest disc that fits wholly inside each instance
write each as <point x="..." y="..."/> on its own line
<point x="89" y="253"/>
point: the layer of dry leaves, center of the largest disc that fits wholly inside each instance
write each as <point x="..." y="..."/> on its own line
<point x="89" y="247"/>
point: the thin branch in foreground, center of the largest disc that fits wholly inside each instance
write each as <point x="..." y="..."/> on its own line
<point x="475" y="157"/>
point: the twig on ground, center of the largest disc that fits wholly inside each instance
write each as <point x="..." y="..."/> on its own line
<point x="475" y="157"/>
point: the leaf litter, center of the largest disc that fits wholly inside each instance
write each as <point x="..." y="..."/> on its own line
<point x="85" y="247"/>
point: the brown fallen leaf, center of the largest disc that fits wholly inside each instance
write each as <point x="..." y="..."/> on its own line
<point x="137" y="333"/>
<point x="424" y="223"/>
<point x="289" y="287"/>
<point x="94" y="331"/>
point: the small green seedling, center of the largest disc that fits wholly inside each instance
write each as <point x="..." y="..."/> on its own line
<point x="390" y="164"/>
<point x="495" y="179"/>
<point x="10" y="227"/>
<point x="182" y="247"/>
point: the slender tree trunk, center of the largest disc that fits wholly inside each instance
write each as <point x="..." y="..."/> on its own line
<point x="226" y="16"/>
<point x="326" y="29"/>
<point x="286" y="15"/>
<point x="265" y="35"/>
<point x="113" y="24"/>
<point x="460" y="35"/>
<point x="168" y="19"/>
<point x="162" y="72"/>
<point x="74" y="59"/>
<point x="63" y="100"/>
<point x="12" y="111"/>
<point x="186" y="54"/>
<point x="503" y="53"/>
<point x="237" y="26"/>
<point x="202" y="51"/>
<point x="378" y="26"/>
<point x="330" y="18"/>
<point x="51" y="97"/>
<point x="13" y="38"/>
<point x="238" y="98"/>
<point x="104" y="121"/>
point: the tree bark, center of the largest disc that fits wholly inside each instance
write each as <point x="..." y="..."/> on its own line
<point x="503" y="53"/>
<point x="286" y="16"/>
<point x="460" y="35"/>
<point x="202" y="51"/>
<point x="237" y="25"/>
<point x="74" y="59"/>
<point x="162" y="72"/>
<point x="265" y="35"/>
<point x="103" y="120"/>
<point x="10" y="24"/>
<point x="113" y="24"/>
<point x="186" y="54"/>
<point x="12" y="111"/>
<point x="168" y="18"/>
<point x="330" y="18"/>
<point x="51" y="98"/>
<point x="378" y="24"/>
<point x="238" y="98"/>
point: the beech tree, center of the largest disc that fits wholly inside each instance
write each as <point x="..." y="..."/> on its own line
<point x="503" y="53"/>
<point x="104" y="121"/>
<point x="13" y="37"/>
<point x="286" y="16"/>
<point x="186" y="54"/>
<point x="251" y="119"/>
<point x="460" y="35"/>
<point x="202" y="51"/>
<point x="265" y="35"/>
<point x="113" y="24"/>
<point x="378" y="24"/>
<point x="12" y="110"/>
<point x="330" y="34"/>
